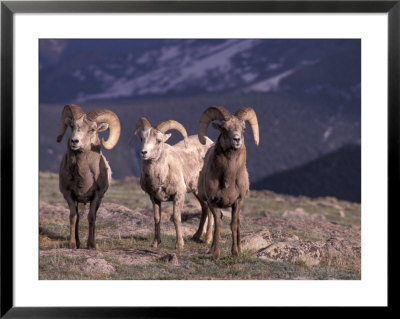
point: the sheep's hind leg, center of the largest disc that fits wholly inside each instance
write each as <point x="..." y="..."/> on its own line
<point x="157" y="222"/>
<point x="203" y="218"/>
<point x="178" y="204"/>
<point x="94" y="206"/>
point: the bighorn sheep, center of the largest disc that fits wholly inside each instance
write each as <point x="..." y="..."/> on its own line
<point x="84" y="172"/>
<point x="169" y="172"/>
<point x="224" y="181"/>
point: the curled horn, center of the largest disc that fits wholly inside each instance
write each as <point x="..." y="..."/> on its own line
<point x="249" y="115"/>
<point x="114" y="126"/>
<point x="71" y="111"/>
<point x="142" y="122"/>
<point x="173" y="125"/>
<point x="212" y="113"/>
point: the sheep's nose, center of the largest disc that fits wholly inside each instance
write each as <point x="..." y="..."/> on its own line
<point x="144" y="152"/>
<point x="236" y="139"/>
<point x="76" y="141"/>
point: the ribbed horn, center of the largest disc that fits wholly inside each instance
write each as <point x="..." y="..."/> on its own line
<point x="212" y="113"/>
<point x="173" y="125"/>
<point x="248" y="114"/>
<point x="72" y="111"/>
<point x="114" y="126"/>
<point x="141" y="123"/>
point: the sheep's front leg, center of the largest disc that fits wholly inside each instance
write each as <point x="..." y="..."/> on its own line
<point x="209" y="227"/>
<point x="235" y="227"/>
<point x="94" y="206"/>
<point x="157" y="222"/>
<point x="214" y="250"/>
<point x="178" y="204"/>
<point x="78" y="243"/>
<point x="73" y="222"/>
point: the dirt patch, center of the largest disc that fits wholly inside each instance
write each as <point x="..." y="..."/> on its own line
<point x="299" y="213"/>
<point x="98" y="260"/>
<point x="263" y="238"/>
<point x="96" y="265"/>
<point x="127" y="221"/>
<point x="313" y="228"/>
<point x="309" y="252"/>
<point x="55" y="214"/>
<point x="169" y="259"/>
<point x="299" y="237"/>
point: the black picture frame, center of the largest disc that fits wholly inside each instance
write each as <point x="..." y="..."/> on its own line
<point x="9" y="8"/>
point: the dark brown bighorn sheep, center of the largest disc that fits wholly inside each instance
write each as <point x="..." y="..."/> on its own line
<point x="224" y="181"/>
<point x="84" y="172"/>
<point x="169" y="172"/>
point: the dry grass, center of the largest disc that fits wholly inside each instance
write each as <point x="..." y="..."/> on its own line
<point x="125" y="230"/>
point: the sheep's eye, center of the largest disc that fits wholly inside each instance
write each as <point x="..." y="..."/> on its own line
<point x="91" y="131"/>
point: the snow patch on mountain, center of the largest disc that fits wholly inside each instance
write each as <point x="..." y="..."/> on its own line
<point x="249" y="77"/>
<point x="327" y="133"/>
<point x="78" y="74"/>
<point x="219" y="61"/>
<point x="272" y="84"/>
<point x="169" y="53"/>
<point x="273" y="66"/>
<point x="174" y="69"/>
<point x="269" y="85"/>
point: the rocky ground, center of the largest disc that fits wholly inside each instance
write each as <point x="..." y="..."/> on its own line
<point x="283" y="237"/>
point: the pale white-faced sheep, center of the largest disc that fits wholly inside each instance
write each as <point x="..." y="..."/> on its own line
<point x="224" y="181"/>
<point x="169" y="172"/>
<point x="84" y="172"/>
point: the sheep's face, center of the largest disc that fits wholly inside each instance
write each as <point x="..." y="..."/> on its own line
<point x="232" y="132"/>
<point x="152" y="143"/>
<point x="84" y="133"/>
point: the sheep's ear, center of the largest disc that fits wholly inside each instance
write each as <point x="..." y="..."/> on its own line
<point x="102" y="127"/>
<point x="217" y="126"/>
<point x="166" y="137"/>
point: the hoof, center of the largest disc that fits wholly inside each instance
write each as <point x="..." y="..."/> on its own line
<point x="179" y="245"/>
<point x="91" y="246"/>
<point x="196" y="238"/>
<point x="72" y="246"/>
<point x="215" y="255"/>
<point x="155" y="244"/>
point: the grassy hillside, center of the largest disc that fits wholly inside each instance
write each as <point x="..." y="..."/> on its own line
<point x="283" y="237"/>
